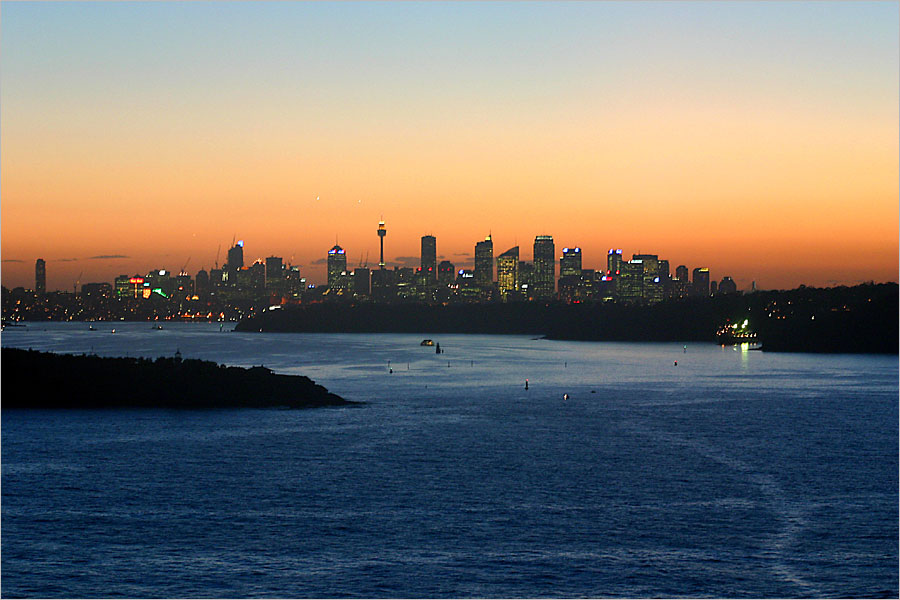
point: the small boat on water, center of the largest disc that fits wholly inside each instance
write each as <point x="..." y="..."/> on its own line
<point x="91" y="328"/>
<point x="156" y="327"/>
<point x="427" y="343"/>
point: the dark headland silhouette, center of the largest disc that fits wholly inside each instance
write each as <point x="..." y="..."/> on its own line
<point x="43" y="380"/>
<point x="859" y="319"/>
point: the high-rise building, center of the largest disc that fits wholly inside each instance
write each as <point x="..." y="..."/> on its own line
<point x="701" y="281"/>
<point x="652" y="291"/>
<point x="681" y="283"/>
<point x="613" y="260"/>
<point x="429" y="258"/>
<point x="236" y="257"/>
<point x="40" y="276"/>
<point x="630" y="282"/>
<point x="381" y="233"/>
<point x="337" y="264"/>
<point x="201" y="283"/>
<point x="257" y="275"/>
<point x="508" y="273"/>
<point x="544" y="267"/>
<point x="274" y="269"/>
<point x="570" y="262"/>
<point x="484" y="264"/>
<point x="446" y="273"/>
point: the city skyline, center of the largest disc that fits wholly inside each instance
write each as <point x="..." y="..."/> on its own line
<point x="760" y="141"/>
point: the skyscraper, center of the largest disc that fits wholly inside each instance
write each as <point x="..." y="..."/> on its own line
<point x="508" y="273"/>
<point x="484" y="263"/>
<point x="337" y="264"/>
<point x="235" y="262"/>
<point x="40" y="276"/>
<point x="544" y="267"/>
<point x="570" y="262"/>
<point x="652" y="291"/>
<point x="429" y="258"/>
<point x="701" y="281"/>
<point x="613" y="260"/>
<point x="274" y="269"/>
<point x="630" y="282"/>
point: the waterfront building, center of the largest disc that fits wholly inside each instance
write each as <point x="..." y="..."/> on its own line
<point x="570" y="262"/>
<point x="40" y="276"/>
<point x="613" y="261"/>
<point x="446" y="273"/>
<point x="337" y="264"/>
<point x="701" y="281"/>
<point x="429" y="258"/>
<point x="484" y="264"/>
<point x="508" y="273"/>
<point x="123" y="288"/>
<point x="544" y="267"/>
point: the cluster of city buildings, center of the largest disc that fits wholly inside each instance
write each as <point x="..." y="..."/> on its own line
<point x="644" y="279"/>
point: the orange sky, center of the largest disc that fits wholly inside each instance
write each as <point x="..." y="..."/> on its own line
<point x="781" y="176"/>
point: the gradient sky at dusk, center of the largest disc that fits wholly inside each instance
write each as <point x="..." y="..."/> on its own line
<point x="758" y="139"/>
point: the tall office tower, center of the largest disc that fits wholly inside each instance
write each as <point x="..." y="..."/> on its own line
<point x="484" y="264"/>
<point x="381" y="233"/>
<point x="508" y="273"/>
<point x="652" y="291"/>
<point x="570" y="262"/>
<point x="701" y="281"/>
<point x="713" y="288"/>
<point x="201" y="283"/>
<point x="613" y="260"/>
<point x="429" y="258"/>
<point x="40" y="276"/>
<point x="216" y="279"/>
<point x="274" y="269"/>
<point x="257" y="275"/>
<point x="665" y="272"/>
<point x="235" y="262"/>
<point x="361" y="281"/>
<point x="337" y="264"/>
<point x="446" y="273"/>
<point x="630" y="282"/>
<point x="544" y="267"/>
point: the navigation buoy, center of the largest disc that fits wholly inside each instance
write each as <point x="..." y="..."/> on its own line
<point x="565" y="396"/>
<point x="526" y="384"/>
<point x="676" y="363"/>
<point x="685" y="349"/>
<point x="390" y="370"/>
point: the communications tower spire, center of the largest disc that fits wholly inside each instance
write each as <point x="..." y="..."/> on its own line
<point x="381" y="233"/>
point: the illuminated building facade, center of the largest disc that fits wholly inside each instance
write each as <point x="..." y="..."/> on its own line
<point x="613" y="260"/>
<point x="446" y="273"/>
<point x="570" y="262"/>
<point x="508" y="273"/>
<point x="630" y="282"/>
<point x="337" y="264"/>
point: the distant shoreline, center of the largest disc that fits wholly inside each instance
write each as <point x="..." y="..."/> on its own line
<point x="862" y="319"/>
<point x="43" y="380"/>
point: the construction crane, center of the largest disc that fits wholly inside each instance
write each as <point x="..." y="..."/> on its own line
<point x="183" y="272"/>
<point x="77" y="281"/>
<point x="217" y="255"/>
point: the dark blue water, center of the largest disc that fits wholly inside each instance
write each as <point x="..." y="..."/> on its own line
<point x="734" y="474"/>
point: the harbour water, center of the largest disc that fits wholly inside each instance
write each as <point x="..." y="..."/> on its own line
<point x="734" y="473"/>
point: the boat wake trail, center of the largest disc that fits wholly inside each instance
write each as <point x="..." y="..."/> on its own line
<point x="790" y="517"/>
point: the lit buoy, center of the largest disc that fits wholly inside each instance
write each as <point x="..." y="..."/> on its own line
<point x="565" y="396"/>
<point x="526" y="384"/>
<point x="676" y="363"/>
